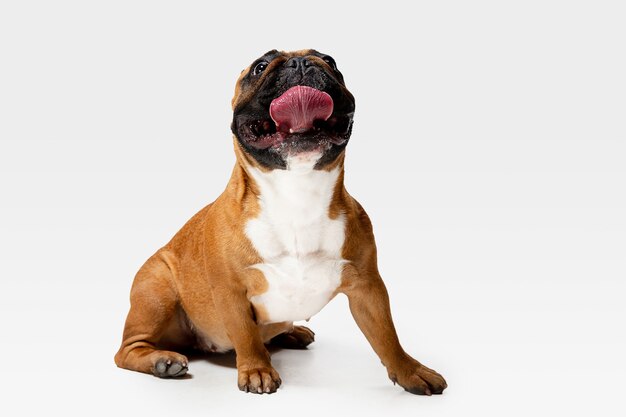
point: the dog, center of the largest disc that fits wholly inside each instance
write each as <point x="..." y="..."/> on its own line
<point x="276" y="246"/>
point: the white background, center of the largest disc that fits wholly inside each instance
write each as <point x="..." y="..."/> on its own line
<point x="489" y="149"/>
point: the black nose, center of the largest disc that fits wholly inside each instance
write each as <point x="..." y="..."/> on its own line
<point x="298" y="63"/>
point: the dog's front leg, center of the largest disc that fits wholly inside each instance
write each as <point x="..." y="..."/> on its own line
<point x="369" y="304"/>
<point x="255" y="371"/>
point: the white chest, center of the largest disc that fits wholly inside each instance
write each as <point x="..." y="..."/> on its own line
<point x="298" y="242"/>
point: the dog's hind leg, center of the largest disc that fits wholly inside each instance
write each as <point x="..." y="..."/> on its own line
<point x="153" y="305"/>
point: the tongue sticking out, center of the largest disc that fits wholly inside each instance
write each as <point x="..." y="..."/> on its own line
<point x="297" y="109"/>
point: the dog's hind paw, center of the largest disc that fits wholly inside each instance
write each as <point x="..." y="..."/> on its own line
<point x="299" y="338"/>
<point x="170" y="366"/>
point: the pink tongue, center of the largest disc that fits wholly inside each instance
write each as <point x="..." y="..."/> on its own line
<point x="298" y="107"/>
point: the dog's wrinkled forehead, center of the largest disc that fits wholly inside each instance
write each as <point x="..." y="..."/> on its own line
<point x="247" y="85"/>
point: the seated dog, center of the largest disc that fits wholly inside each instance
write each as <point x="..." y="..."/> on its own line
<point x="280" y="242"/>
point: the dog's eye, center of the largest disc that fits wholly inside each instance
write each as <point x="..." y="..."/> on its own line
<point x="330" y="61"/>
<point x="259" y="68"/>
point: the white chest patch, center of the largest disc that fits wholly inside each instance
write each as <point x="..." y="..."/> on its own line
<point x="299" y="244"/>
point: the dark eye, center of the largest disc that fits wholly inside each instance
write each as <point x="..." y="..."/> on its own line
<point x="330" y="61"/>
<point x="259" y="68"/>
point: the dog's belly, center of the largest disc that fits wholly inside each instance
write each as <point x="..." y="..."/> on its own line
<point x="298" y="287"/>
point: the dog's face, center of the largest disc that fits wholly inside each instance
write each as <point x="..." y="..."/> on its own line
<point x="292" y="103"/>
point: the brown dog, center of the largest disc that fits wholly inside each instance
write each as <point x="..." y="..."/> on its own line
<point x="279" y="243"/>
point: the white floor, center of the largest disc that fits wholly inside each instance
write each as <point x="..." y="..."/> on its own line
<point x="515" y="347"/>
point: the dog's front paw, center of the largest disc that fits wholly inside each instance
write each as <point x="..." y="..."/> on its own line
<point x="419" y="379"/>
<point x="259" y="380"/>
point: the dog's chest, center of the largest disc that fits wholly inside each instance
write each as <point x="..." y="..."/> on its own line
<point x="299" y="244"/>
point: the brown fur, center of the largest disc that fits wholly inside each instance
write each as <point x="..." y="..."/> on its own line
<point x="194" y="292"/>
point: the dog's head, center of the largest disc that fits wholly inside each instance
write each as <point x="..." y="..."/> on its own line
<point x="290" y="104"/>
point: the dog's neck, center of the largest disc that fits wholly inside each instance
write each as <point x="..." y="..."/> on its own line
<point x="299" y="192"/>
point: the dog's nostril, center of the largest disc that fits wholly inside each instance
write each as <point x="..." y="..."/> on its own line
<point x="298" y="62"/>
